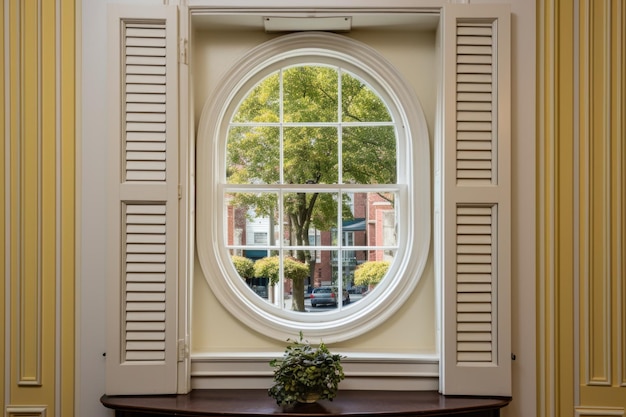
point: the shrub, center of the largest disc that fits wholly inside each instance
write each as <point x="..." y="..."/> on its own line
<point x="269" y="268"/>
<point x="371" y="272"/>
<point x="244" y="266"/>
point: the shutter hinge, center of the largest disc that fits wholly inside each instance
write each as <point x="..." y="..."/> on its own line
<point x="180" y="192"/>
<point x="182" y="350"/>
<point x="182" y="51"/>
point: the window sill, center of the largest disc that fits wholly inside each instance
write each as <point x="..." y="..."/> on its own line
<point x="253" y="403"/>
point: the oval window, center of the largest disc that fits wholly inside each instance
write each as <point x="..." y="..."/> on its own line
<point x="313" y="205"/>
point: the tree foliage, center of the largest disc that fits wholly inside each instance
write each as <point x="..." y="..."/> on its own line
<point x="244" y="266"/>
<point x="310" y="151"/>
<point x="269" y="268"/>
<point x="370" y="272"/>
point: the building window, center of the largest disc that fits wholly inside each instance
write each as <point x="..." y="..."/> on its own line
<point x="321" y="160"/>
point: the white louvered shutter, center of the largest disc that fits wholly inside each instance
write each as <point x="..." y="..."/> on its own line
<point x="474" y="164"/>
<point x="143" y="217"/>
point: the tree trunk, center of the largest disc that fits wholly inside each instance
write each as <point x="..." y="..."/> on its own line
<point x="297" y="297"/>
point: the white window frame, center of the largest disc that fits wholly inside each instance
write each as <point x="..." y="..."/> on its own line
<point x="413" y="146"/>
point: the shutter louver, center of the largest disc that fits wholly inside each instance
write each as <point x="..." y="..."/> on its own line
<point x="145" y="282"/>
<point x="474" y="87"/>
<point x="142" y="352"/>
<point x="474" y="262"/>
<point x="145" y="102"/>
<point x="474" y="284"/>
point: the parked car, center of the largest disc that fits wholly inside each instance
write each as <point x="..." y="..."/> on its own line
<point x="327" y="296"/>
<point x="357" y="289"/>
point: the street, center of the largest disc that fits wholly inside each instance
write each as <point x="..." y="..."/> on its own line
<point x="307" y="304"/>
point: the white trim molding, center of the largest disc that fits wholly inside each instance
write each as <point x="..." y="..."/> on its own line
<point x="363" y="372"/>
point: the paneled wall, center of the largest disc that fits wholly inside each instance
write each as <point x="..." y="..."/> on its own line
<point x="582" y="207"/>
<point x="37" y="181"/>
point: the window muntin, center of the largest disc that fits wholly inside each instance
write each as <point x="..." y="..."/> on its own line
<point x="412" y="179"/>
<point x="311" y="124"/>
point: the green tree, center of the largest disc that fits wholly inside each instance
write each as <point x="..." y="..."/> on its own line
<point x="370" y="272"/>
<point x="315" y="99"/>
<point x="295" y="270"/>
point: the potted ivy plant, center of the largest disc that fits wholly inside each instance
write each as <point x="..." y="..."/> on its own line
<point x="305" y="373"/>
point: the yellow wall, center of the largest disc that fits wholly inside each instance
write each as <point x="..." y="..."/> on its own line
<point x="37" y="177"/>
<point x="581" y="249"/>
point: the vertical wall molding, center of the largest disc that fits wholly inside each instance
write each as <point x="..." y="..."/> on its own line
<point x="5" y="243"/>
<point x="620" y="198"/>
<point x="28" y="198"/>
<point x="555" y="228"/>
<point x="68" y="64"/>
<point x="581" y="208"/>
<point x="595" y="180"/>
<point x="38" y="174"/>
<point x="602" y="156"/>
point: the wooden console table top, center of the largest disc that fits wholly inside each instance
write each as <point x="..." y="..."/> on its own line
<point x="353" y="403"/>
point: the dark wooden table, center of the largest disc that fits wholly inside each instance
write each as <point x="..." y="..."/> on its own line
<point x="255" y="403"/>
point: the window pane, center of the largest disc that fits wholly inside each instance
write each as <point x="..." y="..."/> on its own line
<point x="310" y="94"/>
<point x="310" y="155"/>
<point x="251" y="222"/>
<point x="253" y="155"/>
<point x="315" y="239"/>
<point x="252" y="233"/>
<point x="369" y="155"/>
<point x="372" y="272"/>
<point x="368" y="235"/>
<point x="323" y="295"/>
<point x="262" y="104"/>
<point x="245" y="269"/>
<point x="280" y="273"/>
<point x="382" y="219"/>
<point x="359" y="103"/>
<point x="325" y="272"/>
<point x="305" y="212"/>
